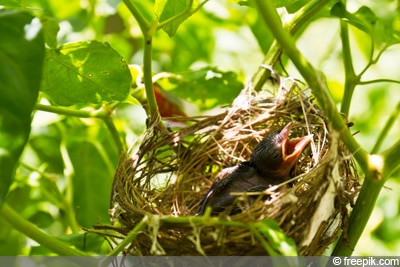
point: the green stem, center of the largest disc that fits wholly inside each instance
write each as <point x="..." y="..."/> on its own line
<point x="104" y="113"/>
<point x="143" y="23"/>
<point x="391" y="160"/>
<point x="204" y="220"/>
<point x="349" y="73"/>
<point x="148" y="81"/>
<point x="379" y="81"/>
<point x="315" y="80"/>
<point x="69" y="190"/>
<point x="99" y="113"/>
<point x="388" y="163"/>
<point x="62" y="201"/>
<point x="370" y="165"/>
<point x="391" y="120"/>
<point x="182" y="14"/>
<point x="148" y="29"/>
<point x="129" y="237"/>
<point x="115" y="135"/>
<point x="359" y="217"/>
<point x="262" y="240"/>
<point x="294" y="25"/>
<point x="30" y="230"/>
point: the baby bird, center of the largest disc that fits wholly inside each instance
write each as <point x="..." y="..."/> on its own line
<point x="269" y="164"/>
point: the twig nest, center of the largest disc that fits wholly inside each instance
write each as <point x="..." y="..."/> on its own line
<point x="171" y="170"/>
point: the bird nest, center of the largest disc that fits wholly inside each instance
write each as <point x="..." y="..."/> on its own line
<point x="170" y="171"/>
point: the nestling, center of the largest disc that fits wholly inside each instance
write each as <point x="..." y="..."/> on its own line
<point x="270" y="163"/>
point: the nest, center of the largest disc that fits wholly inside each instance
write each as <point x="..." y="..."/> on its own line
<point x="172" y="169"/>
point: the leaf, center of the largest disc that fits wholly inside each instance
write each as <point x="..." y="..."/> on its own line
<point x="21" y="63"/>
<point x="85" y="72"/>
<point x="167" y="9"/>
<point x="277" y="3"/>
<point x="364" y="18"/>
<point x="50" y="30"/>
<point x="207" y="87"/>
<point x="91" y="151"/>
<point x="284" y="245"/>
<point x="85" y="242"/>
<point x="168" y="104"/>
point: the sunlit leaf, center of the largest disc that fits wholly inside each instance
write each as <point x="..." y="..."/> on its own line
<point x="277" y="3"/>
<point x="21" y="62"/>
<point x="85" y="241"/>
<point x="50" y="30"/>
<point x="168" y="9"/>
<point x="85" y="72"/>
<point x="282" y="244"/>
<point x="207" y="87"/>
<point x="94" y="157"/>
<point x="364" y="18"/>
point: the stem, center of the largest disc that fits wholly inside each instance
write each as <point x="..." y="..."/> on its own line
<point x="104" y="113"/>
<point x="315" y="80"/>
<point x="60" y="200"/>
<point x="143" y="23"/>
<point x="379" y="81"/>
<point x="99" y="113"/>
<point x="148" y="29"/>
<point x="129" y="237"/>
<point x="349" y="73"/>
<point x="391" y="159"/>
<point x="391" y="120"/>
<point x="204" y="220"/>
<point x="184" y="13"/>
<point x="69" y="190"/>
<point x="30" y="230"/>
<point x="371" y="164"/>
<point x="148" y="81"/>
<point x="388" y="163"/>
<point x="262" y="240"/>
<point x="294" y="25"/>
<point x="115" y="135"/>
<point x="359" y="217"/>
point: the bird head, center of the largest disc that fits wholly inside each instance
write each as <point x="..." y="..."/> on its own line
<point x="276" y="154"/>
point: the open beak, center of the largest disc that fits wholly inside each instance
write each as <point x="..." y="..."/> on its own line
<point x="291" y="149"/>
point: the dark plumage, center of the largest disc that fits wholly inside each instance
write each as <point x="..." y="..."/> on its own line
<point x="269" y="164"/>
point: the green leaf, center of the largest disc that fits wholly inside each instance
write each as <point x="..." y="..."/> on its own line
<point x="284" y="245"/>
<point x="85" y="72"/>
<point x="85" y="242"/>
<point x="207" y="87"/>
<point x="50" y="30"/>
<point x="277" y="3"/>
<point x="21" y="64"/>
<point x="94" y="159"/>
<point x="167" y="9"/>
<point x="364" y="18"/>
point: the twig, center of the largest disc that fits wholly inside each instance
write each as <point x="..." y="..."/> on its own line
<point x="29" y="229"/>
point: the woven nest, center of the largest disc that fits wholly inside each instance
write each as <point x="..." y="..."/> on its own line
<point x="171" y="170"/>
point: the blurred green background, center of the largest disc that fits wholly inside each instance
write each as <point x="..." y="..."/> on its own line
<point x="67" y="168"/>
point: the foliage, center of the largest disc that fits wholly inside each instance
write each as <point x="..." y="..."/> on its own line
<point x="72" y="80"/>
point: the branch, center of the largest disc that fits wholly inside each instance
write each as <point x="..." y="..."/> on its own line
<point x="143" y="23"/>
<point x="29" y="229"/>
<point x="315" y="80"/>
<point x="351" y="78"/>
<point x="385" y="166"/>
<point x="104" y="113"/>
<point x="300" y="18"/>
<point x="389" y="123"/>
<point x="129" y="237"/>
<point x="371" y="164"/>
<point x="148" y="29"/>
